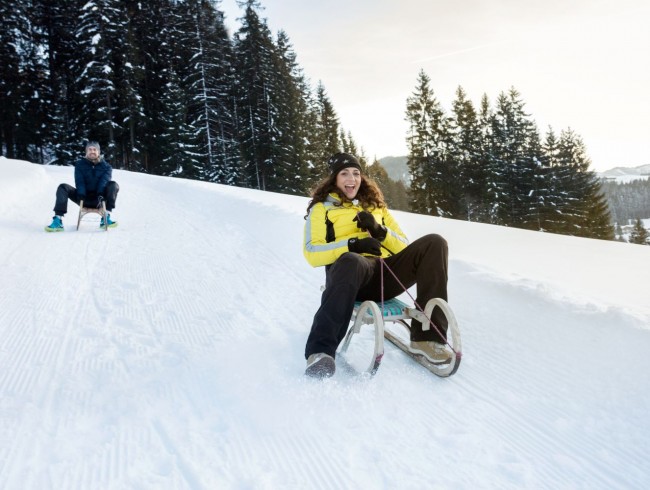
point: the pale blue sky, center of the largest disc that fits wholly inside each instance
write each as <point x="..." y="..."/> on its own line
<point x="583" y="64"/>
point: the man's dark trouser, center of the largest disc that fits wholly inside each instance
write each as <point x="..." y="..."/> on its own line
<point x="354" y="277"/>
<point x="65" y="192"/>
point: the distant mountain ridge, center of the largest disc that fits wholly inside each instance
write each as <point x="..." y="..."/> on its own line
<point x="396" y="168"/>
<point x="626" y="174"/>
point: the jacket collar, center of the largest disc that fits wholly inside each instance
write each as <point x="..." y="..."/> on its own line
<point x="334" y="198"/>
<point x="101" y="160"/>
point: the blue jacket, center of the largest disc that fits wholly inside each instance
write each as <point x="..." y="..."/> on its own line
<point x="91" y="179"/>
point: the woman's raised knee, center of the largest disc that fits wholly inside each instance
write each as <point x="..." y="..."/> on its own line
<point x="435" y="240"/>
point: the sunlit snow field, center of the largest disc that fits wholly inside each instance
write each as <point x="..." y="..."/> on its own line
<point x="168" y="353"/>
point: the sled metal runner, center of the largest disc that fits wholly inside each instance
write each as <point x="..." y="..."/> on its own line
<point x="396" y="312"/>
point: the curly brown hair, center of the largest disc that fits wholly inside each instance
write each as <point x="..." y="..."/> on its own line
<point x="369" y="195"/>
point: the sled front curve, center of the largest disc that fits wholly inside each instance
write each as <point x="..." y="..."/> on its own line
<point x="454" y="345"/>
<point x="367" y="313"/>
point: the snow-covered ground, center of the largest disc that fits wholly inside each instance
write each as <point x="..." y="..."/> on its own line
<point x="167" y="354"/>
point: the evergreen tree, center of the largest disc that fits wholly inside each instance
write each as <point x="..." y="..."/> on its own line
<point x="395" y="193"/>
<point x="429" y="152"/>
<point x="567" y="188"/>
<point x="325" y="140"/>
<point x="9" y="79"/>
<point x="548" y="196"/>
<point x="101" y="28"/>
<point x="584" y="207"/>
<point x="291" y="94"/>
<point x="256" y="113"/>
<point x="487" y="161"/>
<point x="57" y="21"/>
<point x="598" y="221"/>
<point x="154" y="52"/>
<point x="348" y="143"/>
<point x="312" y="158"/>
<point x="513" y="163"/>
<point x="378" y="173"/>
<point x="24" y="95"/>
<point x="468" y="161"/>
<point x="533" y="218"/>
<point x="177" y="137"/>
<point x="208" y="78"/>
<point x="512" y="179"/>
<point x="128" y="63"/>
<point x="640" y="234"/>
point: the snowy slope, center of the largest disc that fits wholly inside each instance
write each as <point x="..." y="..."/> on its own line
<point x="167" y="353"/>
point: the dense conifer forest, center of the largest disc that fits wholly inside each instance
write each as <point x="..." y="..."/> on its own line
<point x="167" y="90"/>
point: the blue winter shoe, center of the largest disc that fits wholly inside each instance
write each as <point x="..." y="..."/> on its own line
<point x="111" y="223"/>
<point x="57" y="224"/>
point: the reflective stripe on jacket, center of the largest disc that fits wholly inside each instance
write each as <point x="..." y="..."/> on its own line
<point x="318" y="251"/>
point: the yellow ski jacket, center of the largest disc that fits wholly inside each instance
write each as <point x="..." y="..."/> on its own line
<point x="323" y="248"/>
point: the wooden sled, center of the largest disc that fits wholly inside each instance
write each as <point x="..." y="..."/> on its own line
<point x="396" y="313"/>
<point x="83" y="211"/>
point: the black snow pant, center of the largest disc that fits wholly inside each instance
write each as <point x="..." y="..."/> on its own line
<point x="354" y="277"/>
<point x="65" y="192"/>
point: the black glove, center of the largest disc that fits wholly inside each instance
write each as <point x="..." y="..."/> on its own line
<point x="364" y="246"/>
<point x="366" y="221"/>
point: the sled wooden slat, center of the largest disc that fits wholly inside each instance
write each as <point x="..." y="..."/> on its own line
<point x="393" y="310"/>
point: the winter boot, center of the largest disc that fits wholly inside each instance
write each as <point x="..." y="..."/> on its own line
<point x="433" y="352"/>
<point x="111" y="223"/>
<point x="57" y="224"/>
<point x="320" y="365"/>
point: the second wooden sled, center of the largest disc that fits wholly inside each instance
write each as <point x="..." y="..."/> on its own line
<point x="396" y="312"/>
<point x="83" y="211"/>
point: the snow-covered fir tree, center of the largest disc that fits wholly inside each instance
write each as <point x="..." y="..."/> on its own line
<point x="205" y="60"/>
<point x="292" y="95"/>
<point x="256" y="110"/>
<point x="58" y="22"/>
<point x="102" y="25"/>
<point x="428" y="141"/>
<point x="153" y="54"/>
<point x="24" y="93"/>
<point x="177" y="136"/>
<point x="513" y="164"/>
<point x="639" y="234"/>
<point x="467" y="155"/>
<point x="130" y="114"/>
<point x="548" y="188"/>
<point x="325" y="137"/>
<point x="583" y="206"/>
